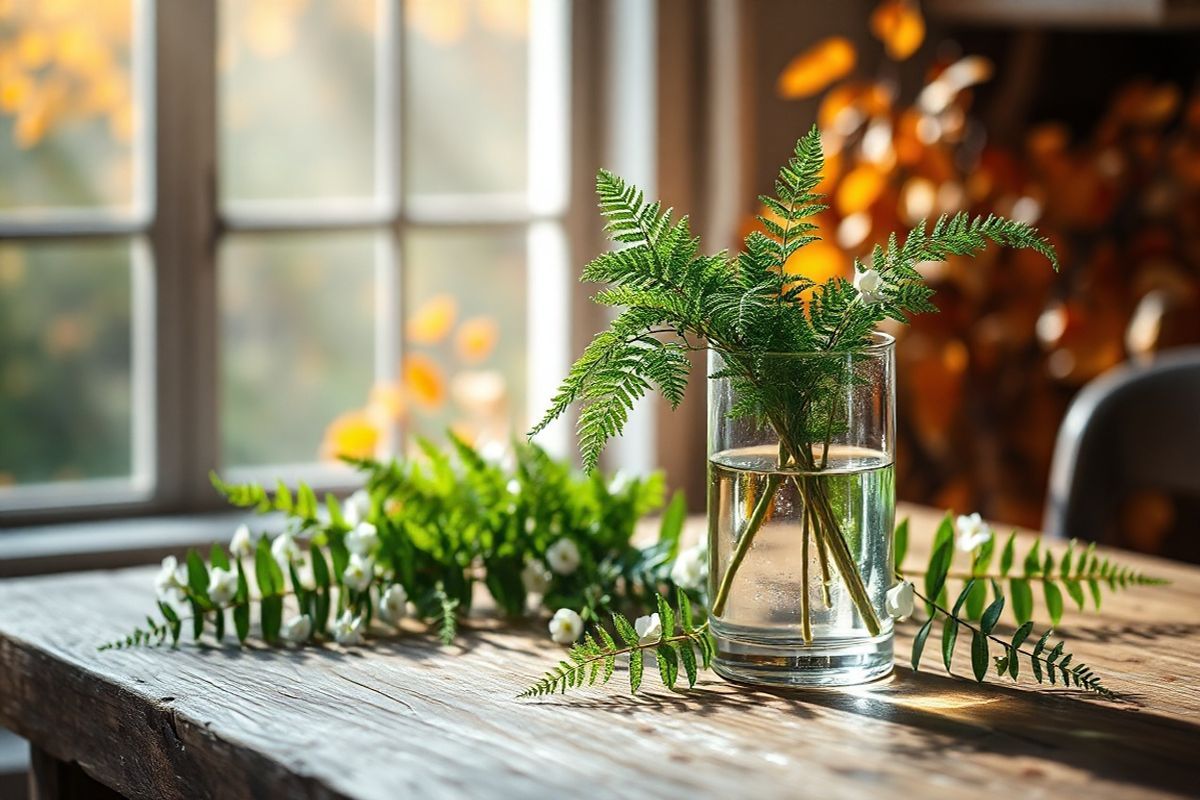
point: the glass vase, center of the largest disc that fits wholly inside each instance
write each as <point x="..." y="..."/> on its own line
<point x="801" y="505"/>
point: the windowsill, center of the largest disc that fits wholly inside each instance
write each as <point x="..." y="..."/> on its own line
<point x="108" y="544"/>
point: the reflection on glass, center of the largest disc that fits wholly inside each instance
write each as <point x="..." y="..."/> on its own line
<point x="297" y="322"/>
<point x="464" y="335"/>
<point x="65" y="361"/>
<point x="466" y="73"/>
<point x="67" y="121"/>
<point x="297" y="99"/>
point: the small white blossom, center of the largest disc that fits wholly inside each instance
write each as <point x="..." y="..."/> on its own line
<point x="535" y="577"/>
<point x="513" y="486"/>
<point x="690" y="567"/>
<point x="565" y="626"/>
<point x="563" y="556"/>
<point x="171" y="578"/>
<point x="222" y="585"/>
<point x="394" y="604"/>
<point x="899" y="602"/>
<point x="304" y="572"/>
<point x="297" y="629"/>
<point x="870" y="286"/>
<point x="284" y="549"/>
<point x="242" y="543"/>
<point x="358" y="573"/>
<point x="972" y="532"/>
<point x="649" y="629"/>
<point x="347" y="629"/>
<point x="362" y="539"/>
<point x="356" y="508"/>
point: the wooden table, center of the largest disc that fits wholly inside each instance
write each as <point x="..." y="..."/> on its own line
<point x="410" y="718"/>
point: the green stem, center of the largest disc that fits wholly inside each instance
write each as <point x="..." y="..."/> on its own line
<point x="745" y="540"/>
<point x="822" y="548"/>
<point x="805" y="614"/>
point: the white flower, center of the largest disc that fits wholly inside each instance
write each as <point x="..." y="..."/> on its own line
<point x="563" y="556"/>
<point x="690" y="567"/>
<point x="899" y="602"/>
<point x="535" y="577"/>
<point x="305" y="573"/>
<point x="362" y="539"/>
<point x="222" y="585"/>
<point x="394" y="604"/>
<point x="565" y="626"/>
<point x="358" y="573"/>
<point x="356" y="508"/>
<point x="347" y="629"/>
<point x="870" y="286"/>
<point x="171" y="578"/>
<point x="649" y="629"/>
<point x="972" y="532"/>
<point x="242" y="543"/>
<point x="297" y="629"/>
<point x="284" y="549"/>
<point x="513" y="486"/>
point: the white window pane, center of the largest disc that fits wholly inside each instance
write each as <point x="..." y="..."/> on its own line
<point x="297" y="99"/>
<point x="297" y="326"/>
<point x="464" y="361"/>
<point x="71" y="113"/>
<point x="66" y="361"/>
<point x="466" y="78"/>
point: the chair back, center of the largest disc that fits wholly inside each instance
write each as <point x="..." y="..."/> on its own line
<point x="1126" y="467"/>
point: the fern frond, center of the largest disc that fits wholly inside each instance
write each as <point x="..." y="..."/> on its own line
<point x="592" y="661"/>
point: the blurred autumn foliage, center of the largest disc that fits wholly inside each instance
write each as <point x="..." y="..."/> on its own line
<point x="984" y="385"/>
<point x="64" y="60"/>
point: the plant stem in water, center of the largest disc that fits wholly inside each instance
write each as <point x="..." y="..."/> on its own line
<point x="745" y="540"/>
<point x="805" y="621"/>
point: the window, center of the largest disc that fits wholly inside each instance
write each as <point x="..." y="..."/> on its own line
<point x="250" y="234"/>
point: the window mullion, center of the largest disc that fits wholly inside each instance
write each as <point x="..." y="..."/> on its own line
<point x="184" y="241"/>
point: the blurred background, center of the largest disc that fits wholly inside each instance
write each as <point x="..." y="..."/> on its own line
<point x="252" y="235"/>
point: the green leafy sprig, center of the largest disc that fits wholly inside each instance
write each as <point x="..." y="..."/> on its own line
<point x="972" y="611"/>
<point x="593" y="661"/>
<point x="445" y="522"/>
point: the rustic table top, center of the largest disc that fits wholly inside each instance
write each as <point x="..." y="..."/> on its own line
<point x="409" y="717"/>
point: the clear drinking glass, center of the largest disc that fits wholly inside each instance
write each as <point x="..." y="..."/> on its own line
<point x="800" y="514"/>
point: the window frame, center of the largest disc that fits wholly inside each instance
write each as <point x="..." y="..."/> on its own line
<point x="182" y="225"/>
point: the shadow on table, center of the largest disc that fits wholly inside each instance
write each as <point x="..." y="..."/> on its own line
<point x="1119" y="741"/>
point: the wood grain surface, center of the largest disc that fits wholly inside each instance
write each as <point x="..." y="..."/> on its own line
<point x="408" y="717"/>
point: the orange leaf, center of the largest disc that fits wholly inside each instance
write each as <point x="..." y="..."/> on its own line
<point x="900" y="26"/>
<point x="859" y="189"/>
<point x="825" y="62"/>
<point x="818" y="261"/>
<point x="424" y="381"/>
<point x="476" y="339"/>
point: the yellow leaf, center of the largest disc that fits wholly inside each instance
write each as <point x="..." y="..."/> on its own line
<point x="352" y="434"/>
<point x="825" y="62"/>
<point x="433" y="320"/>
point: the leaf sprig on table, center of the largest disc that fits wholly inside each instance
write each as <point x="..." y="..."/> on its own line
<point x="592" y="662"/>
<point x="972" y="611"/>
<point x="419" y="537"/>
